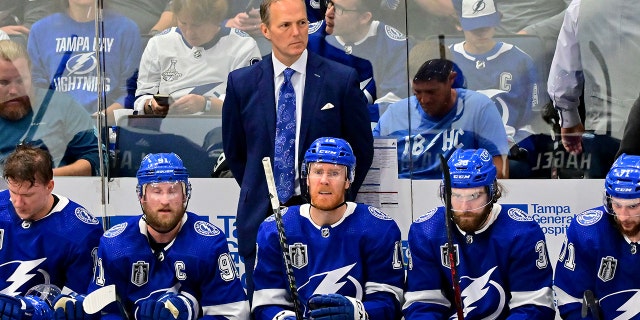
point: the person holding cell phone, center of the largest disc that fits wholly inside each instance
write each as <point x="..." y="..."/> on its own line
<point x="190" y="63"/>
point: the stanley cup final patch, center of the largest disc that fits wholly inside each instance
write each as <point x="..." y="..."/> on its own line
<point x="607" y="268"/>
<point x="140" y="273"/>
<point x="444" y="255"/>
<point x="299" y="255"/>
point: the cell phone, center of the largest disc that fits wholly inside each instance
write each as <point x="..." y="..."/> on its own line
<point x="164" y="100"/>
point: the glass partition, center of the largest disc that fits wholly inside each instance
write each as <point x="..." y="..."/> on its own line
<point x="133" y="72"/>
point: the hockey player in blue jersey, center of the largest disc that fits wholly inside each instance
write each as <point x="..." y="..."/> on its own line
<point x="600" y="252"/>
<point x="168" y="263"/>
<point x="440" y="119"/>
<point x="45" y="238"/>
<point x="500" y="252"/>
<point x="346" y="257"/>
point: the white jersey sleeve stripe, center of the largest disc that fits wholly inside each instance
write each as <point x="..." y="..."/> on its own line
<point x="540" y="297"/>
<point x="426" y="296"/>
<point x="565" y="298"/>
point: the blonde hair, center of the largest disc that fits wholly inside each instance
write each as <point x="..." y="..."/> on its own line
<point x="202" y="10"/>
<point x="11" y="51"/>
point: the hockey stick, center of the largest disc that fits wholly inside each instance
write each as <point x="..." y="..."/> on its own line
<point x="99" y="299"/>
<point x="589" y="302"/>
<point x="450" y="248"/>
<point x="441" y="46"/>
<point x="275" y="205"/>
<point x="607" y="81"/>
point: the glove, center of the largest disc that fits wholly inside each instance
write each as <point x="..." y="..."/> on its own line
<point x="29" y="307"/>
<point x="285" y="315"/>
<point x="170" y="306"/>
<point x="69" y="307"/>
<point x="336" y="307"/>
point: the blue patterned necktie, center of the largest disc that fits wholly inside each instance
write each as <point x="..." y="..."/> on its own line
<point x="285" y="144"/>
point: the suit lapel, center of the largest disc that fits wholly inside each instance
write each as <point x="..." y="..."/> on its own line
<point x="312" y="86"/>
<point x="267" y="106"/>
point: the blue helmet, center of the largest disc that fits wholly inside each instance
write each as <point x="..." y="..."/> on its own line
<point x="471" y="168"/>
<point x="330" y="150"/>
<point x="162" y="167"/>
<point x="623" y="179"/>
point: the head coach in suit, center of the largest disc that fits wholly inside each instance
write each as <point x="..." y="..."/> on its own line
<point x="328" y="103"/>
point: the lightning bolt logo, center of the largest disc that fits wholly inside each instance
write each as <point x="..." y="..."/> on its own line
<point x="478" y="6"/>
<point x="477" y="289"/>
<point x="331" y="282"/>
<point x="79" y="62"/>
<point x="21" y="275"/>
<point x="630" y="308"/>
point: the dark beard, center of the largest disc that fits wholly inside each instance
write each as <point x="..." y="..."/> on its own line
<point x="15" y="109"/>
<point x="477" y="222"/>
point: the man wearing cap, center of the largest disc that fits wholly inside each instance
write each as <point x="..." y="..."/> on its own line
<point x="439" y="120"/>
<point x="501" y="71"/>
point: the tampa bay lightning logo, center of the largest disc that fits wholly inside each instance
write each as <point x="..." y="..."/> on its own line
<point x="206" y="229"/>
<point x="426" y="216"/>
<point x="241" y="33"/>
<point x="115" y="230"/>
<point x="625" y="304"/>
<point x="589" y="217"/>
<point x="273" y="216"/>
<point x="82" y="63"/>
<point x="85" y="216"/>
<point x="518" y="215"/>
<point x="393" y="33"/>
<point x="378" y="213"/>
<point x="22" y="275"/>
<point x="482" y="297"/>
<point x="313" y="27"/>
<point x="339" y="280"/>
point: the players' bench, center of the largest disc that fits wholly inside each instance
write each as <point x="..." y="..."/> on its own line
<point x="184" y="135"/>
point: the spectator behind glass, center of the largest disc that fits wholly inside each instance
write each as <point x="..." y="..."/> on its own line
<point x="17" y="16"/>
<point x="190" y="62"/>
<point x="41" y="117"/>
<point x="151" y="16"/>
<point x="63" y="46"/>
<point x="352" y="27"/>
<point x="328" y="102"/>
<point x="46" y="233"/>
<point x="504" y="73"/>
<point x="441" y="119"/>
<point x="593" y="30"/>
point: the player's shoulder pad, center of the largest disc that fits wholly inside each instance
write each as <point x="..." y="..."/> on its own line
<point x="206" y="228"/>
<point x="589" y="217"/>
<point x="85" y="216"/>
<point x="116" y="230"/>
<point x="272" y="217"/>
<point x="378" y="213"/>
<point x="394" y="34"/>
<point x="315" y="26"/>
<point x="240" y="33"/>
<point x="426" y="216"/>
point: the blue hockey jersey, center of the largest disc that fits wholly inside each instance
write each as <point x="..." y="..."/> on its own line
<point x="197" y="263"/>
<point x="358" y="256"/>
<point x="474" y="122"/>
<point x="503" y="268"/>
<point x="596" y="256"/>
<point x="58" y="249"/>
<point x="508" y="76"/>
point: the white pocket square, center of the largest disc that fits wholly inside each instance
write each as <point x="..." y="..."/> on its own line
<point x="327" y="106"/>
